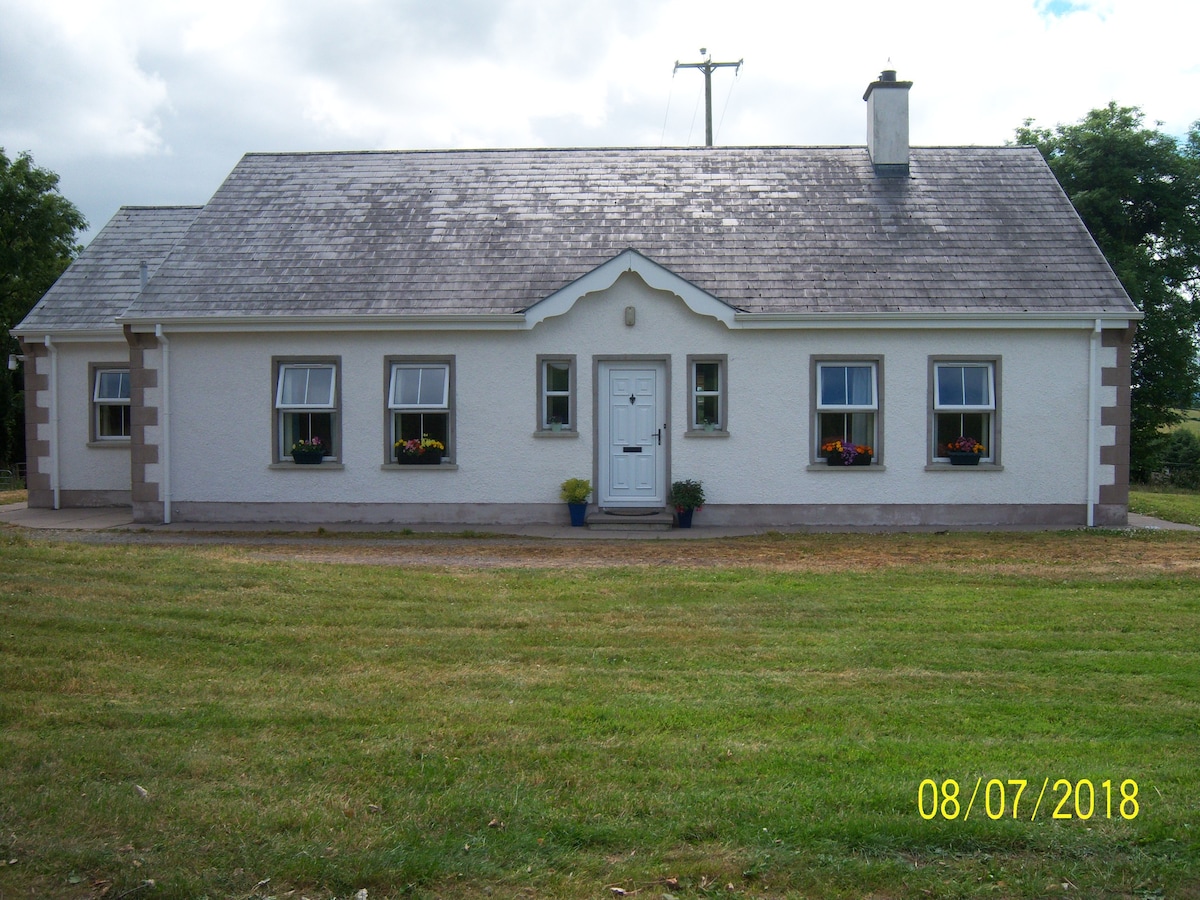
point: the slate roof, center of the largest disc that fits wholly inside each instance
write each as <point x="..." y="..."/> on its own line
<point x="101" y="283"/>
<point x="769" y="230"/>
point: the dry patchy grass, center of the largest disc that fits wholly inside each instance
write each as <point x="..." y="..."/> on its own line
<point x="1103" y="555"/>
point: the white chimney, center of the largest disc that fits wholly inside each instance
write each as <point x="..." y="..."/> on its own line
<point x="887" y="124"/>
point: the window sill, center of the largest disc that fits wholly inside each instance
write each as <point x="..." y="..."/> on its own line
<point x="397" y="467"/>
<point x="114" y="444"/>
<point x="704" y="433"/>
<point x="565" y="433"/>
<point x="825" y="467"/>
<point x="316" y="467"/>
<point x="948" y="467"/>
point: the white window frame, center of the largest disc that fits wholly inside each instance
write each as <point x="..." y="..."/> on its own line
<point x="721" y="393"/>
<point x="307" y="403"/>
<point x="872" y="406"/>
<point x="544" y="393"/>
<point x="441" y="405"/>
<point x="99" y="403"/>
<point x="320" y="404"/>
<point x="988" y="408"/>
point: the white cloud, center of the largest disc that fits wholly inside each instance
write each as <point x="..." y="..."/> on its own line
<point x="186" y="87"/>
<point x="73" y="86"/>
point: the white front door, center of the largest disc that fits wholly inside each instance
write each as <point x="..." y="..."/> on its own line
<point x="632" y="428"/>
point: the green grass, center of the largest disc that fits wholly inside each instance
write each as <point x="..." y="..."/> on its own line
<point x="7" y="497"/>
<point x="1172" y="505"/>
<point x="666" y="729"/>
<point x="1191" y="420"/>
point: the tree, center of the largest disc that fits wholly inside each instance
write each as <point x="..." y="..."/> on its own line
<point x="38" y="231"/>
<point x="1138" y="192"/>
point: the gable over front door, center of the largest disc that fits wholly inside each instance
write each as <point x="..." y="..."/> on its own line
<point x="631" y="434"/>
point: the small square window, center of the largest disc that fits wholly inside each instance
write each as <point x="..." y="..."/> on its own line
<point x="709" y="400"/>
<point x="556" y="391"/>
<point x="111" y="416"/>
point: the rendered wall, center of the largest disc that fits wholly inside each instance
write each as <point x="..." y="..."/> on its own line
<point x="87" y="472"/>
<point x="220" y="410"/>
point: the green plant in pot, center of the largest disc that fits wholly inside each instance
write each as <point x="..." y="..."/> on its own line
<point x="686" y="496"/>
<point x="575" y="491"/>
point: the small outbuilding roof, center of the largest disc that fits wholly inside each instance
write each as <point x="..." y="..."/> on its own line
<point x="99" y="285"/>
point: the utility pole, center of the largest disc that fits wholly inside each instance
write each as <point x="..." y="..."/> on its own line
<point x="707" y="67"/>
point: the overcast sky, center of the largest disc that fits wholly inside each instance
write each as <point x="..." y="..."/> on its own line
<point x="137" y="102"/>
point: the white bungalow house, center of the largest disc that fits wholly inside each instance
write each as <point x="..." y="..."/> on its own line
<point x="630" y="316"/>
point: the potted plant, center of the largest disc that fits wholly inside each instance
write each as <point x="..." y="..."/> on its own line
<point x="308" y="453"/>
<point x="965" y="451"/>
<point x="423" y="452"/>
<point x="844" y="453"/>
<point x="575" y="492"/>
<point x="687" y="497"/>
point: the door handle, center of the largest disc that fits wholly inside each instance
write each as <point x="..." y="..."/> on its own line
<point x="659" y="434"/>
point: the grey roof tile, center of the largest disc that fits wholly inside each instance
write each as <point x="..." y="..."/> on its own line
<point x="778" y="229"/>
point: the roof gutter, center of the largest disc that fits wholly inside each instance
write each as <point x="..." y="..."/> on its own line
<point x="1023" y="319"/>
<point x="340" y="323"/>
<point x="69" y="335"/>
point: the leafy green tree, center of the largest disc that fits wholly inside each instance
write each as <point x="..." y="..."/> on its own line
<point x="1138" y="191"/>
<point x="38" y="232"/>
<point x="1181" y="459"/>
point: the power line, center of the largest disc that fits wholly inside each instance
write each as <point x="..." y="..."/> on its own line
<point x="708" y="67"/>
<point x="725" y="108"/>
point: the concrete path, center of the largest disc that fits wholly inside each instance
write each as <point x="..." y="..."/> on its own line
<point x="71" y="519"/>
<point x="1136" y="521"/>
<point x="122" y="519"/>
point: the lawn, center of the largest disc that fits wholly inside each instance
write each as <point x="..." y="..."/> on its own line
<point x="1173" y="505"/>
<point x="801" y="716"/>
<point x="1191" y="420"/>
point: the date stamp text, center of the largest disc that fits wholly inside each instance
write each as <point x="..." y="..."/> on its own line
<point x="1003" y="798"/>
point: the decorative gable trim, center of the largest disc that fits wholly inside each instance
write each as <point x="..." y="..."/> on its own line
<point x="605" y="276"/>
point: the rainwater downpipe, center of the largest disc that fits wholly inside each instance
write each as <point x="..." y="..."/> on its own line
<point x="54" y="482"/>
<point x="165" y="426"/>
<point x="1093" y="466"/>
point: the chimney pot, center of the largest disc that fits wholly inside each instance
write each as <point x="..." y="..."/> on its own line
<point x="887" y="124"/>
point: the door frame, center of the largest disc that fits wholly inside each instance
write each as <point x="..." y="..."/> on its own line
<point x="601" y="365"/>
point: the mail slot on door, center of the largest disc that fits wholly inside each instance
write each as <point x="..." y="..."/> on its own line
<point x="631" y="449"/>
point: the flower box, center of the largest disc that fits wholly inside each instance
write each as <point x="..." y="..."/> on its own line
<point x="843" y="453"/>
<point x="308" y="457"/>
<point x="428" y="458"/>
<point x="423" y="451"/>
<point x="964" y="451"/>
<point x="308" y="452"/>
<point x="837" y="459"/>
<point x="963" y="457"/>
